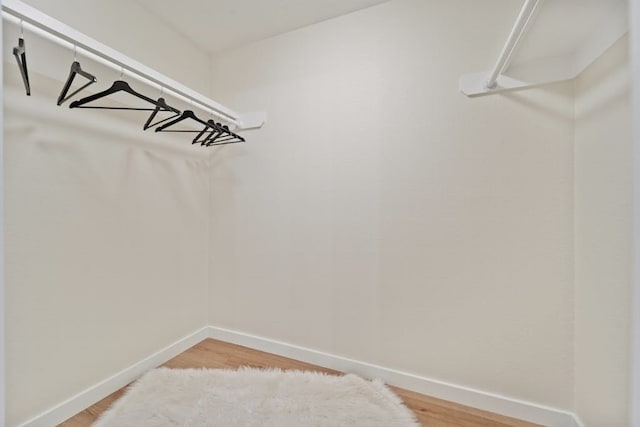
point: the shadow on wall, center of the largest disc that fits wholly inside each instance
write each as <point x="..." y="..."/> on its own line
<point x="103" y="222"/>
<point x="540" y="105"/>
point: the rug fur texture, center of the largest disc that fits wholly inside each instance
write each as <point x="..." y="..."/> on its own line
<point x="255" y="397"/>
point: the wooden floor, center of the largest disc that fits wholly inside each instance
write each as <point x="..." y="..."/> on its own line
<point x="210" y="353"/>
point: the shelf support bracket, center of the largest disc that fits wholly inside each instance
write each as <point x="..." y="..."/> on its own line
<point x="506" y="77"/>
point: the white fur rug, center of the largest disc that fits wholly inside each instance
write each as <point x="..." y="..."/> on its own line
<point x="254" y="397"/>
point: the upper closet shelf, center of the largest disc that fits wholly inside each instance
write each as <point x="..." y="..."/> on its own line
<point x="67" y="36"/>
<point x="568" y="36"/>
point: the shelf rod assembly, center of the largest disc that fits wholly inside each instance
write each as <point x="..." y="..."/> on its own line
<point x="62" y="34"/>
<point x="519" y="28"/>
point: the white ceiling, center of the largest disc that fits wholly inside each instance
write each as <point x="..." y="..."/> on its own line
<point x="219" y="24"/>
<point x="561" y="27"/>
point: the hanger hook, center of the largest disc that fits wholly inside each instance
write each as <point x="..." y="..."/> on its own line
<point x="21" y="28"/>
<point x="75" y="52"/>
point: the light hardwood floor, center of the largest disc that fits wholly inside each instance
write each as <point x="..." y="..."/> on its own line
<point x="210" y="353"/>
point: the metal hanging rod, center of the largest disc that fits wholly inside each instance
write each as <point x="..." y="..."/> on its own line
<point x="64" y="35"/>
<point x="550" y="69"/>
<point x="519" y="28"/>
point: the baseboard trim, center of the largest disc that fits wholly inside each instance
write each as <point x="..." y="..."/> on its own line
<point x="83" y="400"/>
<point x="507" y="406"/>
<point x="515" y="408"/>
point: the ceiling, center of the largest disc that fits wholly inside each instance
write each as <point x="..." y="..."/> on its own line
<point x="562" y="27"/>
<point x="215" y="25"/>
<point x="221" y="24"/>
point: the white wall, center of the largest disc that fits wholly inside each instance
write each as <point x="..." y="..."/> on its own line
<point x="379" y="215"/>
<point x="383" y="216"/>
<point x="2" y="302"/>
<point x="106" y="241"/>
<point x="603" y="238"/>
<point x="105" y="251"/>
<point x="635" y="327"/>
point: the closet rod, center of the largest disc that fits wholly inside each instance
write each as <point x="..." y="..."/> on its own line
<point x="519" y="28"/>
<point x="64" y="35"/>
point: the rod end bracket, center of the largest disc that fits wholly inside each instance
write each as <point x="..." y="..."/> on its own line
<point x="254" y="120"/>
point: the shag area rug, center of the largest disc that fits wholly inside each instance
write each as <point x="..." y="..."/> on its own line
<point x="255" y="397"/>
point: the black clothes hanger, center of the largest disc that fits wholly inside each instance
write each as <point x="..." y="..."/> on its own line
<point x="187" y="114"/>
<point x="224" y="137"/>
<point x="75" y="69"/>
<point x="229" y="139"/>
<point x="161" y="105"/>
<point x="21" y="56"/>
<point x="213" y="130"/>
<point x="119" y="86"/>
<point x="219" y="135"/>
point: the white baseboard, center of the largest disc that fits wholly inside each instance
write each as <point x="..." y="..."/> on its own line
<point x="83" y="400"/>
<point x="515" y="408"/>
<point x="507" y="406"/>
